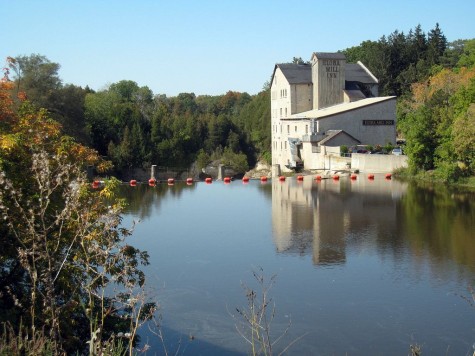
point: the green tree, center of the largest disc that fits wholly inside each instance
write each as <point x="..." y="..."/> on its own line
<point x="419" y="131"/>
<point x="38" y="77"/>
<point x="464" y="138"/>
<point x="437" y="44"/>
<point x="101" y="112"/>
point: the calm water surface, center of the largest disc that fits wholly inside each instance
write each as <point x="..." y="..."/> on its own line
<point x="362" y="267"/>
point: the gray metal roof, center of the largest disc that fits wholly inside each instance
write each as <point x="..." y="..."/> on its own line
<point x="328" y="55"/>
<point x="356" y="72"/>
<point x="302" y="73"/>
<point x="355" y="94"/>
<point x="340" y="108"/>
<point x="296" y="73"/>
<point x="330" y="134"/>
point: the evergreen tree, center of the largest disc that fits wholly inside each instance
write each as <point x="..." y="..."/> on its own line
<point x="436" y="45"/>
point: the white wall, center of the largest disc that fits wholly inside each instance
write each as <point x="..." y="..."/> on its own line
<point x="377" y="163"/>
<point x="352" y="123"/>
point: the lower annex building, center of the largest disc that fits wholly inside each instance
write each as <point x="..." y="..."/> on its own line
<point x="318" y="107"/>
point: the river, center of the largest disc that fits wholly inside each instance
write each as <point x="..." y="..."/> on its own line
<point x="361" y="267"/>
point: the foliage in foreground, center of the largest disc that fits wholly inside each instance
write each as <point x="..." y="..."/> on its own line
<point x="67" y="274"/>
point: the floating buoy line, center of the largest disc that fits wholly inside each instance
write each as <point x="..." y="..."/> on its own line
<point x="227" y="180"/>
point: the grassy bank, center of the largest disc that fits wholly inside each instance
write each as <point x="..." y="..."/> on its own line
<point x="433" y="178"/>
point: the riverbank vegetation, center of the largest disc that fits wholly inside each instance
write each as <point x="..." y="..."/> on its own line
<point x="435" y="85"/>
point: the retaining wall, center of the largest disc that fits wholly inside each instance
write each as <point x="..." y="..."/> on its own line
<point x="377" y="163"/>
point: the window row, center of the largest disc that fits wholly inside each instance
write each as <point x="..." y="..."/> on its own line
<point x="274" y="128"/>
<point x="283" y="94"/>
<point x="283" y="145"/>
<point x="282" y="112"/>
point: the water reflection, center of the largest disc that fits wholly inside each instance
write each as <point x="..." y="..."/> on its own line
<point x="391" y="257"/>
<point x="142" y="199"/>
<point x="441" y="222"/>
<point x="323" y="218"/>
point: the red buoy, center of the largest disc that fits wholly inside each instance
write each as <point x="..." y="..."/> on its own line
<point x="263" y="179"/>
<point x="152" y="182"/>
<point x="370" y="176"/>
<point x="227" y="180"/>
<point x="353" y="176"/>
<point x="300" y="178"/>
<point x="189" y="180"/>
<point x="208" y="180"/>
<point x="388" y="175"/>
<point x="336" y="177"/>
<point x="133" y="183"/>
<point x="282" y="178"/>
<point x="171" y="180"/>
<point x="245" y="179"/>
<point x="319" y="177"/>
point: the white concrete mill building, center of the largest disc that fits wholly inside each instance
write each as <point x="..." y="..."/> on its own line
<point x="320" y="106"/>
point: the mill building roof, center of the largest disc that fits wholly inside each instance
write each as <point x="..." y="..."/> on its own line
<point x="338" y="109"/>
<point x="302" y="73"/>
<point x="296" y="73"/>
<point x="357" y="72"/>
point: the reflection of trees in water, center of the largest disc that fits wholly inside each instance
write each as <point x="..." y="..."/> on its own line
<point x="142" y="198"/>
<point x="441" y="222"/>
<point x="394" y="219"/>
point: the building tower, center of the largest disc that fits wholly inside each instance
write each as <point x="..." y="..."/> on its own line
<point x="328" y="77"/>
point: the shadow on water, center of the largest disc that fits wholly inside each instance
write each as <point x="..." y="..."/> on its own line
<point x="178" y="343"/>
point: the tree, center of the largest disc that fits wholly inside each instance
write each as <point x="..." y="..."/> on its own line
<point x="102" y="113"/>
<point x="467" y="57"/>
<point x="63" y="242"/>
<point x="464" y="138"/>
<point x="436" y="43"/>
<point x="38" y="77"/>
<point x="419" y="131"/>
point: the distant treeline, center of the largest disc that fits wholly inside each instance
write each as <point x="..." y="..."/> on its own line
<point x="133" y="127"/>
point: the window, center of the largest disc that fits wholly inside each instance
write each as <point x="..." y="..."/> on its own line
<point x="306" y="129"/>
<point x="295" y="128"/>
<point x="285" y="144"/>
<point x="288" y="128"/>
<point x="285" y="112"/>
<point x="280" y="112"/>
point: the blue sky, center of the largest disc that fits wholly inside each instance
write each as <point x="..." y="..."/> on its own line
<point x="208" y="46"/>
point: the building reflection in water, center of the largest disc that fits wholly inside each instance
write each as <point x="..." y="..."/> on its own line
<point x="322" y="218"/>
